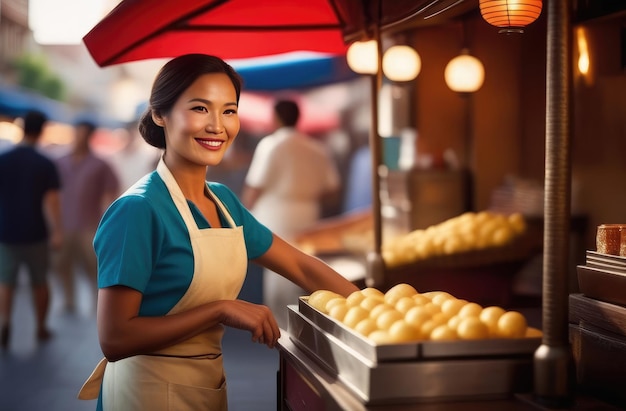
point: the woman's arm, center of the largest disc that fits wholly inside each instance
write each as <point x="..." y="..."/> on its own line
<point x="307" y="271"/>
<point x="123" y="333"/>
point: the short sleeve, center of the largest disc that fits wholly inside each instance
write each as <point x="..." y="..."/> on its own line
<point x="127" y="242"/>
<point x="259" y="172"/>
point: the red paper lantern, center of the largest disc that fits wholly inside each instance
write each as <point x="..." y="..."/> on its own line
<point x="510" y="15"/>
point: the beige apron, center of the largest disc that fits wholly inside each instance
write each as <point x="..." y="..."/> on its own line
<point x="189" y="375"/>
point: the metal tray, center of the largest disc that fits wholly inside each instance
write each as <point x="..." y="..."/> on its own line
<point x="602" y="284"/>
<point x="610" y="262"/>
<point x="588" y="311"/>
<point x="410" y="381"/>
<point x="422" y="350"/>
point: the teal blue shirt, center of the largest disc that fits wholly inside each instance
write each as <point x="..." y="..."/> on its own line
<point x="142" y="242"/>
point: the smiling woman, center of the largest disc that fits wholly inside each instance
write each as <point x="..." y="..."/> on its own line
<point x="64" y="21"/>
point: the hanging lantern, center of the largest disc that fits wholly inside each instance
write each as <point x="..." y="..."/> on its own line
<point x="401" y="63"/>
<point x="511" y="15"/>
<point x="464" y="73"/>
<point x="362" y="57"/>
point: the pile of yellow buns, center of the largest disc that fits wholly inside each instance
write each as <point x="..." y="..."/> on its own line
<point x="402" y="314"/>
<point x="469" y="231"/>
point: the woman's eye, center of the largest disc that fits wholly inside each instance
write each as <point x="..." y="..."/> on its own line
<point x="199" y="108"/>
<point x="230" y="111"/>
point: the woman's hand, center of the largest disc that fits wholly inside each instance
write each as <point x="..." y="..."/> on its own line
<point x="258" y="319"/>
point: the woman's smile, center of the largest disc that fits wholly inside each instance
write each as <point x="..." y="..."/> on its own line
<point x="210" y="144"/>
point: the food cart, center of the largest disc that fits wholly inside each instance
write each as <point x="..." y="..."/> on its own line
<point x="324" y="366"/>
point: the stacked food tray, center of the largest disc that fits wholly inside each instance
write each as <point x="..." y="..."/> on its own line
<point x="597" y="317"/>
<point x="603" y="277"/>
<point x="416" y="371"/>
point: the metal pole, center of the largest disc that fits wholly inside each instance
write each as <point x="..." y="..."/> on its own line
<point x="375" y="265"/>
<point x="553" y="361"/>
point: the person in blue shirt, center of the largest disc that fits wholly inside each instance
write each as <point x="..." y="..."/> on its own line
<point x="173" y="251"/>
<point x="30" y="223"/>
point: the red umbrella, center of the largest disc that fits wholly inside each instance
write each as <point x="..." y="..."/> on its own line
<point x="144" y="29"/>
<point x="234" y="29"/>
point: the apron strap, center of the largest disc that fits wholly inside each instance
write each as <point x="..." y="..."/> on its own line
<point x="91" y="388"/>
<point x="222" y="207"/>
<point x="181" y="201"/>
<point x="177" y="195"/>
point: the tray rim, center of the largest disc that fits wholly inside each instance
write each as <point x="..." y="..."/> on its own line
<point x="423" y="350"/>
<point x="603" y="265"/>
<point x="600" y="270"/>
<point x="617" y="260"/>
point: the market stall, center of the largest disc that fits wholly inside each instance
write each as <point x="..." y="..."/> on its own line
<point x="325" y="366"/>
<point x="554" y="381"/>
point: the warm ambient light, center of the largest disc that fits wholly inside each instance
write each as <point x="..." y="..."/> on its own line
<point x="583" y="52"/>
<point x="362" y="57"/>
<point x="10" y="133"/>
<point x="511" y="15"/>
<point x="464" y="73"/>
<point x="400" y="63"/>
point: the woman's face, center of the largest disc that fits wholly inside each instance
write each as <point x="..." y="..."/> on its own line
<point x="203" y="122"/>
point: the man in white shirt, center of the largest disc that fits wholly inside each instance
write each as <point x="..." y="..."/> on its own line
<point x="290" y="177"/>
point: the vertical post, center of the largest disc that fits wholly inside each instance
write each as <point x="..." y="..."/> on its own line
<point x="375" y="265"/>
<point x="470" y="152"/>
<point x="554" y="373"/>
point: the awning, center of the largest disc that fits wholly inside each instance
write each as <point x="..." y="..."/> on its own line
<point x="15" y="102"/>
<point x="293" y="71"/>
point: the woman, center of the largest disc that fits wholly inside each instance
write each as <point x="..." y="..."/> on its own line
<point x="173" y="251"/>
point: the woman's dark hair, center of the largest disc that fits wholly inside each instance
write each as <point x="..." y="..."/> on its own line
<point x="171" y="81"/>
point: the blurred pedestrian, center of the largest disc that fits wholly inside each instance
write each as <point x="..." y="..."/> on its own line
<point x="30" y="222"/>
<point x="136" y="158"/>
<point x="358" y="194"/>
<point x="290" y="177"/>
<point x="89" y="185"/>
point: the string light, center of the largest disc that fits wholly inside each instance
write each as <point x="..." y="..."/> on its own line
<point x="400" y="63"/>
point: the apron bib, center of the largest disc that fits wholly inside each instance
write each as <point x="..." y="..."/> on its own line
<point x="189" y="375"/>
